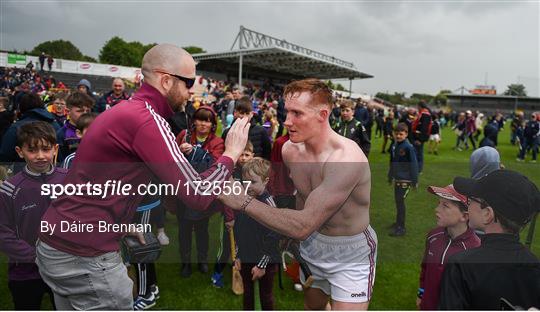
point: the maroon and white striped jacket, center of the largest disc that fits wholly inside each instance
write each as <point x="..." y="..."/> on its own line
<point x="131" y="143"/>
<point x="439" y="247"/>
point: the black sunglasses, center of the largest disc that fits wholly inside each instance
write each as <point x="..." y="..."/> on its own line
<point x="188" y="81"/>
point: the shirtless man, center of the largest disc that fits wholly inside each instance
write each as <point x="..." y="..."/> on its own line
<point x="333" y="181"/>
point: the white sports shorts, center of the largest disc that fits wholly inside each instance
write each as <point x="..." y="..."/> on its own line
<point x="343" y="267"/>
<point x="435" y="137"/>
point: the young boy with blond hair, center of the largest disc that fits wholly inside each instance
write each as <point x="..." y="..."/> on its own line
<point x="224" y="252"/>
<point x="257" y="245"/>
<point x="352" y="128"/>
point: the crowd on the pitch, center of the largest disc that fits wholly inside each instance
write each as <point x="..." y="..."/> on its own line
<point x="29" y="96"/>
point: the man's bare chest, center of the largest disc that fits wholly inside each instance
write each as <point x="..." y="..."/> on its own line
<point x="306" y="177"/>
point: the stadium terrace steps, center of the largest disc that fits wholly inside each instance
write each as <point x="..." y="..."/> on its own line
<point x="100" y="84"/>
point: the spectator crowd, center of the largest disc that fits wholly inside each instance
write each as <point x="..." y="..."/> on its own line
<point x="478" y="219"/>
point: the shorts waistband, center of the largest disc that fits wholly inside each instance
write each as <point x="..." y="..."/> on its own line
<point x="341" y="240"/>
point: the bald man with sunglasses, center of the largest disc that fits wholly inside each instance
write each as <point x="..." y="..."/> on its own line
<point x="130" y="143"/>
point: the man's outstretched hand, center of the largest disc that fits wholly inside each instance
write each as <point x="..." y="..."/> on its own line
<point x="237" y="137"/>
<point x="233" y="201"/>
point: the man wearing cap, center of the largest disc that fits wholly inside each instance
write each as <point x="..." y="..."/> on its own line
<point x="500" y="204"/>
<point x="483" y="161"/>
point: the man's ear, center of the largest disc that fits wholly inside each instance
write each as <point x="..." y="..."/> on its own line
<point x="464" y="216"/>
<point x="19" y="151"/>
<point x="324" y="113"/>
<point x="488" y="215"/>
<point x="165" y="82"/>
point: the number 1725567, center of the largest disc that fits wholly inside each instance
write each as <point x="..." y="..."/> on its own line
<point x="216" y="188"/>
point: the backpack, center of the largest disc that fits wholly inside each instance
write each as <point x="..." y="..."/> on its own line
<point x="417" y="121"/>
<point x="199" y="158"/>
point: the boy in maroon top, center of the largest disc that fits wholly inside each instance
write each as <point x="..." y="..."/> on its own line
<point x="451" y="236"/>
<point x="280" y="185"/>
<point x="21" y="209"/>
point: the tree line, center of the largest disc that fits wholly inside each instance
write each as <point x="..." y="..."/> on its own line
<point x="115" y="51"/>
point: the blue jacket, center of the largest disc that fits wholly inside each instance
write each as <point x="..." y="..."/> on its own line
<point x="532" y="130"/>
<point x="361" y="114"/>
<point x="403" y="162"/>
<point x="7" y="150"/>
<point x="256" y="243"/>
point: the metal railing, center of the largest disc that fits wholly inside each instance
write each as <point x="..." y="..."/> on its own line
<point x="247" y="39"/>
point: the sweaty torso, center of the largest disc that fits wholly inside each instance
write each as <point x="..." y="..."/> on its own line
<point x="307" y="172"/>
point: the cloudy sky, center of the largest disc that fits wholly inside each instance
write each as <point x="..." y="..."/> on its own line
<point x="409" y="46"/>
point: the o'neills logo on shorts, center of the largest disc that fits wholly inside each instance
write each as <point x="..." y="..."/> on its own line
<point x="362" y="294"/>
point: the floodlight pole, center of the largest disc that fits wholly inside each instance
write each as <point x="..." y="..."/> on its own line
<point x="515" y="99"/>
<point x="241" y="58"/>
<point x="240" y="73"/>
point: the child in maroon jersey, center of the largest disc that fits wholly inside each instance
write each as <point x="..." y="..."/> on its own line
<point x="452" y="235"/>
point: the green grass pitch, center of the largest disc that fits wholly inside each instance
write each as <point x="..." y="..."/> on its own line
<point x="398" y="260"/>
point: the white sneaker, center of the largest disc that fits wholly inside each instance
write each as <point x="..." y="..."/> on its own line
<point x="163" y="238"/>
<point x="144" y="303"/>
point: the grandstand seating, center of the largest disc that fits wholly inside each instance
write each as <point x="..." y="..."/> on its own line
<point x="99" y="83"/>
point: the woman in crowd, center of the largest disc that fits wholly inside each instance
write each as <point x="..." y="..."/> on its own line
<point x="201" y="147"/>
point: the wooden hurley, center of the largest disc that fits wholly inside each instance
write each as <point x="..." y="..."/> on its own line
<point x="291" y="249"/>
<point x="237" y="284"/>
<point x="303" y="266"/>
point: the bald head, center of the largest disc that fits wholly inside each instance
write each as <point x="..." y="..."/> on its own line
<point x="167" y="58"/>
<point x="118" y="86"/>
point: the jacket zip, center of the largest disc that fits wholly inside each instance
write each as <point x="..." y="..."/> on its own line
<point x="18" y="237"/>
<point x="445" y="250"/>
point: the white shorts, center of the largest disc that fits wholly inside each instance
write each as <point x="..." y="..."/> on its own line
<point x="435" y="137"/>
<point x="342" y="266"/>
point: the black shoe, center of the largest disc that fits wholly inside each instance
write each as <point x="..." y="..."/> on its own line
<point x="203" y="267"/>
<point x="186" y="270"/>
<point x="398" y="231"/>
